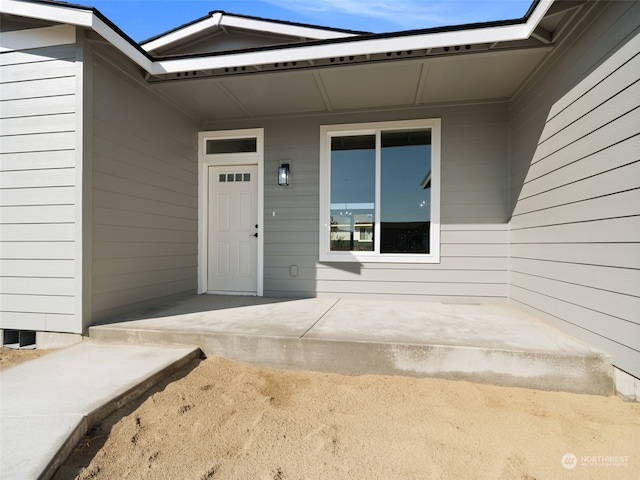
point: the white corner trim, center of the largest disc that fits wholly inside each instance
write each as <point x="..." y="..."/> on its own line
<point x="627" y="386"/>
<point x="37" y="37"/>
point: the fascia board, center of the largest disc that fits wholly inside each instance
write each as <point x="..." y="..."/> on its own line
<point x="537" y="15"/>
<point x="53" y="13"/>
<point x="226" y="20"/>
<point x="281" y="28"/>
<point x="184" y="33"/>
<point x="104" y="30"/>
<point x="79" y="18"/>
<point x="360" y="47"/>
<point x="357" y="46"/>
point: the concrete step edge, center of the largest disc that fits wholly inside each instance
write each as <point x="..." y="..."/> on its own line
<point x="577" y="373"/>
<point x="114" y="404"/>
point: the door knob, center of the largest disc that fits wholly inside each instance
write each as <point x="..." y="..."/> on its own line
<point x="254" y="235"/>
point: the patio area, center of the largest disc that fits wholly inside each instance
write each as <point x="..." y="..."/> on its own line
<point x="490" y="343"/>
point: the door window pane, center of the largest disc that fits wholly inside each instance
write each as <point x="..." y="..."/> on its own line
<point x="234" y="145"/>
<point x="405" y="191"/>
<point x="353" y="166"/>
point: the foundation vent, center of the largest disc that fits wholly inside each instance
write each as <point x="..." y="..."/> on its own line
<point x="23" y="339"/>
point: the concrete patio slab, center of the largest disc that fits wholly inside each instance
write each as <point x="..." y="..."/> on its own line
<point x="47" y="404"/>
<point x="243" y="315"/>
<point x="481" y="326"/>
<point x="497" y="344"/>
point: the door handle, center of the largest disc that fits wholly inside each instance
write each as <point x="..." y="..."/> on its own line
<point x="254" y="235"/>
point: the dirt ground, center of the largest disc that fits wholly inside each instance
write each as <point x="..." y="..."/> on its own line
<point x="227" y="420"/>
<point x="11" y="356"/>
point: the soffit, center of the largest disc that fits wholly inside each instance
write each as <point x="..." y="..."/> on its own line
<point x="372" y="86"/>
<point x="471" y="63"/>
<point x="276" y="94"/>
<point x="488" y="76"/>
<point x="203" y="99"/>
<point x="479" y="71"/>
<point x="479" y="76"/>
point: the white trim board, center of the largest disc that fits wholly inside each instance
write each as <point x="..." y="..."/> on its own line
<point x="220" y="20"/>
<point x="350" y="46"/>
<point x="375" y="128"/>
<point x="204" y="162"/>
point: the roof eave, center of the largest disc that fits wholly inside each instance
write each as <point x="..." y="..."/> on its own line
<point x="90" y="18"/>
<point x="368" y="45"/>
<point x="178" y="36"/>
<point x="84" y="17"/>
<point x="281" y="28"/>
<point x="222" y="19"/>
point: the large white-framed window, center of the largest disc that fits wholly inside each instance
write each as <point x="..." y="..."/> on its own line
<point x="380" y="192"/>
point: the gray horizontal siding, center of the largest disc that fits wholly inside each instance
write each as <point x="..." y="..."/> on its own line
<point x="19" y="162"/>
<point x="575" y="229"/>
<point x="474" y="213"/>
<point x="38" y="143"/>
<point x="43" y="88"/>
<point x="145" y="194"/>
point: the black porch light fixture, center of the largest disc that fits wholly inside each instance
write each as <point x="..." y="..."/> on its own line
<point x="283" y="175"/>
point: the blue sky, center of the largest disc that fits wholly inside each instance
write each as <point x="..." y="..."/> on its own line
<point x="141" y="19"/>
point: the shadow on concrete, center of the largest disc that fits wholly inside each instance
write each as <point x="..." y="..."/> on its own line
<point x="193" y="304"/>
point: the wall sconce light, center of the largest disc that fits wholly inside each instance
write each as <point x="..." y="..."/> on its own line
<point x="283" y="175"/>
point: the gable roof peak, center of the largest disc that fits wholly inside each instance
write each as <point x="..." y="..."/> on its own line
<point x="218" y="20"/>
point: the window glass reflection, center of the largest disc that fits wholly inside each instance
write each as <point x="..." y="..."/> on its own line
<point x="234" y="145"/>
<point x="353" y="164"/>
<point x="405" y="192"/>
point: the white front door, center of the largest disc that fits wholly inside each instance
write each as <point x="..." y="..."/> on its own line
<point x="232" y="247"/>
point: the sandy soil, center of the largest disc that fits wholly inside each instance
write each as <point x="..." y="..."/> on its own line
<point x="226" y="420"/>
<point x="10" y="356"/>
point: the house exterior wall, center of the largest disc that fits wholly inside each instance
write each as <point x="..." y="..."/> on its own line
<point x="575" y="229"/>
<point x="474" y="211"/>
<point x="145" y="193"/>
<point x="41" y="73"/>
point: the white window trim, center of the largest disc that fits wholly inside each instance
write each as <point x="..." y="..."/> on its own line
<point x="204" y="162"/>
<point x="326" y="133"/>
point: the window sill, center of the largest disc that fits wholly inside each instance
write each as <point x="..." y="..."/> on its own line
<point x="351" y="257"/>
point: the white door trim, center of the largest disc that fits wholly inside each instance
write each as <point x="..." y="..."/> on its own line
<point x="204" y="162"/>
